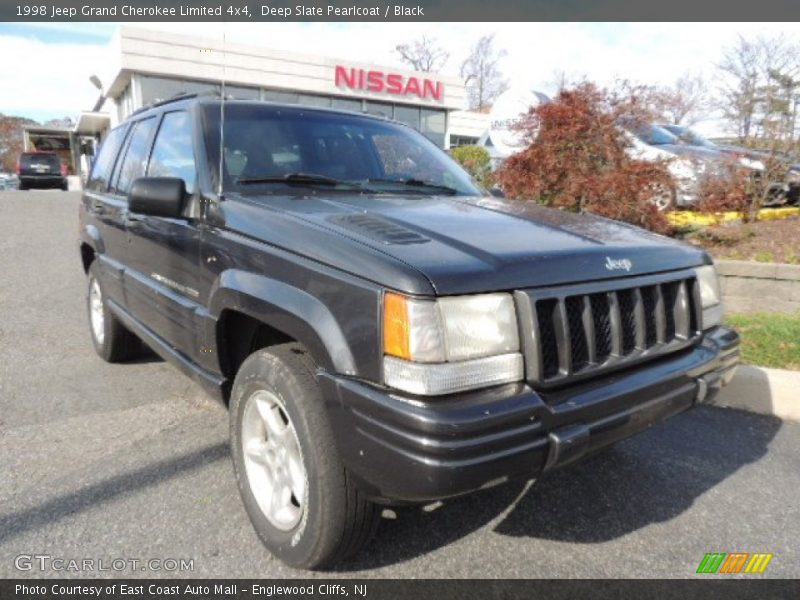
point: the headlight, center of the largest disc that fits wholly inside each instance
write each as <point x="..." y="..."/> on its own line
<point x="710" y="295"/>
<point x="447" y="345"/>
<point x="684" y="169"/>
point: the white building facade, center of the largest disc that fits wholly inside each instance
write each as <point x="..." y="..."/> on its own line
<point x="149" y="66"/>
<point x="146" y="66"/>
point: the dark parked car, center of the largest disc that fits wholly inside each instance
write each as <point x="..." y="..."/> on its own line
<point x="382" y="330"/>
<point x="41" y="170"/>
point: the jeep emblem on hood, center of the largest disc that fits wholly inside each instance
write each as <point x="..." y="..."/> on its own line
<point x="615" y="264"/>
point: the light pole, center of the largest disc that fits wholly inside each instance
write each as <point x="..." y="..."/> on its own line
<point x="102" y="98"/>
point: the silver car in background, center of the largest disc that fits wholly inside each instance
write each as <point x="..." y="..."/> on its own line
<point x="785" y="191"/>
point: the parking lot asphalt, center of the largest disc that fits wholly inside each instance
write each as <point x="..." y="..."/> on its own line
<point x="130" y="461"/>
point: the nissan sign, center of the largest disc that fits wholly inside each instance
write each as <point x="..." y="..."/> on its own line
<point x="507" y="111"/>
<point x="375" y="80"/>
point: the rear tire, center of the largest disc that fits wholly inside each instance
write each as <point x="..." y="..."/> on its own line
<point x="111" y="340"/>
<point x="300" y="499"/>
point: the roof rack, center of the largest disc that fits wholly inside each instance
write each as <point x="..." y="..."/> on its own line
<point x="216" y="94"/>
<point x="177" y="97"/>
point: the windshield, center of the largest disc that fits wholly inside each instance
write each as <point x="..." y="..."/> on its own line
<point x="655" y="135"/>
<point x="688" y="136"/>
<point x="269" y="148"/>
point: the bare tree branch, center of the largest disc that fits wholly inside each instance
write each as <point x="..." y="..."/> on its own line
<point x="686" y="102"/>
<point x="760" y="90"/>
<point x="482" y="75"/>
<point x="423" y="54"/>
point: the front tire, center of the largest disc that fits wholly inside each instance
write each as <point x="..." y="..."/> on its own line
<point x="111" y="340"/>
<point x="298" y="495"/>
<point x="663" y="198"/>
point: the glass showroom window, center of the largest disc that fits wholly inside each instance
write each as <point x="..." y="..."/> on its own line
<point x="382" y="109"/>
<point x="408" y="115"/>
<point x="125" y="103"/>
<point x="462" y="140"/>
<point x="346" y="104"/>
<point x="313" y="100"/>
<point x="284" y="97"/>
<point x="242" y="93"/>
<point x="434" y="125"/>
<point x="155" y="89"/>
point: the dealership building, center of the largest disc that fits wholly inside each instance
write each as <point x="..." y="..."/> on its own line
<point x="148" y="66"/>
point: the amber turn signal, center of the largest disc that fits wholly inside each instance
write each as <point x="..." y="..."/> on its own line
<point x="396" y="326"/>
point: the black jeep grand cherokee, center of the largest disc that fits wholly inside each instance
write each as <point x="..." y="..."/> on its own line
<point x="382" y="329"/>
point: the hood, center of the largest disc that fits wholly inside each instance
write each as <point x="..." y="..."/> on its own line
<point x="694" y="152"/>
<point x="459" y="244"/>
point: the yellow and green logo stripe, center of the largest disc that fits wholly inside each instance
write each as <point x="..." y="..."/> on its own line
<point x="734" y="562"/>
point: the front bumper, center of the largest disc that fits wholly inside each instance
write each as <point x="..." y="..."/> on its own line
<point x="407" y="449"/>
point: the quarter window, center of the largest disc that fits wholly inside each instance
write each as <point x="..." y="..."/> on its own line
<point x="173" y="154"/>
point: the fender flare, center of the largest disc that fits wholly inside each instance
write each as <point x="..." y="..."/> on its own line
<point x="288" y="309"/>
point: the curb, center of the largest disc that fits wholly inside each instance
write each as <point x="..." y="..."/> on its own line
<point x="764" y="391"/>
<point x="691" y="217"/>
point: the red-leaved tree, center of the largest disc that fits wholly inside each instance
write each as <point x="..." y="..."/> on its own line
<point x="578" y="159"/>
<point x="11" y="140"/>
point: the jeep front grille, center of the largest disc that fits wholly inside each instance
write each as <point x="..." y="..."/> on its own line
<point x="576" y="331"/>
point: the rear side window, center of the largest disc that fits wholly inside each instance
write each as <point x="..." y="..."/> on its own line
<point x="135" y="160"/>
<point x="104" y="163"/>
<point x="173" y="154"/>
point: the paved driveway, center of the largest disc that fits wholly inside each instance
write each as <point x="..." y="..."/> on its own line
<point x="130" y="461"/>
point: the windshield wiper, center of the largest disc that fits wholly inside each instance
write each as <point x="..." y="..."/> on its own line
<point x="418" y="183"/>
<point x="299" y="178"/>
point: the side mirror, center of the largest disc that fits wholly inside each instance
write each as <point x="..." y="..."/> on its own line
<point x="497" y="192"/>
<point x="157" y="196"/>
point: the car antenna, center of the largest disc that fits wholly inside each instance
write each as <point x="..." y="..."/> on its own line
<point x="222" y="116"/>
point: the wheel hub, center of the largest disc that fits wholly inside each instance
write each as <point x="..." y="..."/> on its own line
<point x="96" y="312"/>
<point x="273" y="460"/>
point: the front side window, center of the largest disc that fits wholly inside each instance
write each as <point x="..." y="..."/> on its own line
<point x="265" y="143"/>
<point x="135" y="160"/>
<point x="173" y="153"/>
<point x="104" y="163"/>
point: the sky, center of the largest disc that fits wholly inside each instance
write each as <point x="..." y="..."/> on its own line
<point x="49" y="76"/>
